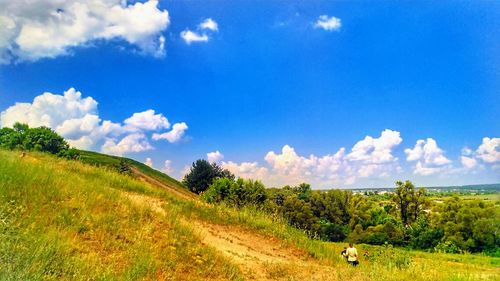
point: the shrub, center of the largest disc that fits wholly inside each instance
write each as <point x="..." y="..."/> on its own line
<point x="202" y="174"/>
<point x="391" y="258"/>
<point x="43" y="139"/>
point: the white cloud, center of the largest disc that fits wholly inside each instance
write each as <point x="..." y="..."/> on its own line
<point x="209" y="24"/>
<point x="167" y="167"/>
<point x="175" y="135"/>
<point x="430" y="158"/>
<point x="328" y="23"/>
<point x="136" y="142"/>
<point x="146" y="120"/>
<point x="202" y="32"/>
<point x="489" y="150"/>
<point x="376" y="150"/>
<point x="149" y="162"/>
<point x="49" y="110"/>
<point x="35" y="29"/>
<point x="468" y="162"/>
<point x="77" y="120"/>
<point x="215" y="156"/>
<point x="248" y="170"/>
<point x="369" y="158"/>
<point x="191" y="36"/>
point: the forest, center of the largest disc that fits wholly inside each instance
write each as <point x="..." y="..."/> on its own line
<point x="406" y="218"/>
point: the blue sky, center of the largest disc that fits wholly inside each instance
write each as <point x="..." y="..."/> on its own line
<point x="268" y="77"/>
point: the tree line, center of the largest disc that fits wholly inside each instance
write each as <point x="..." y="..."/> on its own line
<point x="407" y="217"/>
<point x="43" y="139"/>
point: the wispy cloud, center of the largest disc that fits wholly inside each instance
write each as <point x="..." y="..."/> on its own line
<point x="202" y="33"/>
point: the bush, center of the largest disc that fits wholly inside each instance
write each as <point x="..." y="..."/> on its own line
<point x="236" y="193"/>
<point x="202" y="174"/>
<point x="448" y="247"/>
<point x="43" y="139"/>
<point x="391" y="258"/>
<point x="332" y="232"/>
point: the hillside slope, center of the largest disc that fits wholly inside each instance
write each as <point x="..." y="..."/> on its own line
<point x="66" y="220"/>
<point x="138" y="170"/>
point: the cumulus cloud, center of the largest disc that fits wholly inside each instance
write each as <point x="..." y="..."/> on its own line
<point x="489" y="150"/>
<point x="429" y="158"/>
<point x="146" y="120"/>
<point x="215" y="156"/>
<point x="376" y="150"/>
<point x="468" y="162"/>
<point x="370" y="157"/>
<point x="374" y="156"/>
<point x="202" y="33"/>
<point x="76" y="119"/>
<point x="174" y="135"/>
<point x="149" y="162"/>
<point x="136" y="142"/>
<point x="247" y="170"/>
<point x="37" y="29"/>
<point x="328" y="23"/>
<point x="487" y="154"/>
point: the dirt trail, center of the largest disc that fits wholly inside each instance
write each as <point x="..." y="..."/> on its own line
<point x="176" y="191"/>
<point x="259" y="257"/>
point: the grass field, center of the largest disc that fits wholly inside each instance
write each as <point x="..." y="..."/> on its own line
<point x="66" y="220"/>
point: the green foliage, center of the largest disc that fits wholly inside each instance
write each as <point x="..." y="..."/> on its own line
<point x="423" y="235"/>
<point x="113" y="162"/>
<point x="300" y="214"/>
<point x="43" y="139"/>
<point x="202" y="174"/>
<point x="409" y="202"/>
<point x="235" y="193"/>
<point x="123" y="167"/>
<point x="337" y="215"/>
<point x="332" y="232"/>
<point x="470" y="225"/>
<point x="391" y="258"/>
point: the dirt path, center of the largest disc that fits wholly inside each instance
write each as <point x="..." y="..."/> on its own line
<point x="185" y="194"/>
<point x="259" y="257"/>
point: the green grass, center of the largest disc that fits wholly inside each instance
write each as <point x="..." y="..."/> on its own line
<point x="103" y="160"/>
<point x="65" y="220"/>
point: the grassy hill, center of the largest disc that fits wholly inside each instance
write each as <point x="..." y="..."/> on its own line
<point x="138" y="170"/>
<point x="68" y="220"/>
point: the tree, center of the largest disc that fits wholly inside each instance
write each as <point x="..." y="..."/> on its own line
<point x="202" y="174"/>
<point x="410" y="203"/>
<point x="44" y="139"/>
<point x="21" y="136"/>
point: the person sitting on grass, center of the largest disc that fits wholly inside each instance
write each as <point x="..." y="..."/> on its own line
<point x="352" y="255"/>
<point x="344" y="253"/>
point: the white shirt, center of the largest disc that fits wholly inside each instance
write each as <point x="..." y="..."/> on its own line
<point x="352" y="254"/>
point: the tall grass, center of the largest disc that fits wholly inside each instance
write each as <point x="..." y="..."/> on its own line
<point x="63" y="220"/>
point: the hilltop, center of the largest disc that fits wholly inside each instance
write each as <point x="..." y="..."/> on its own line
<point x="84" y="220"/>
